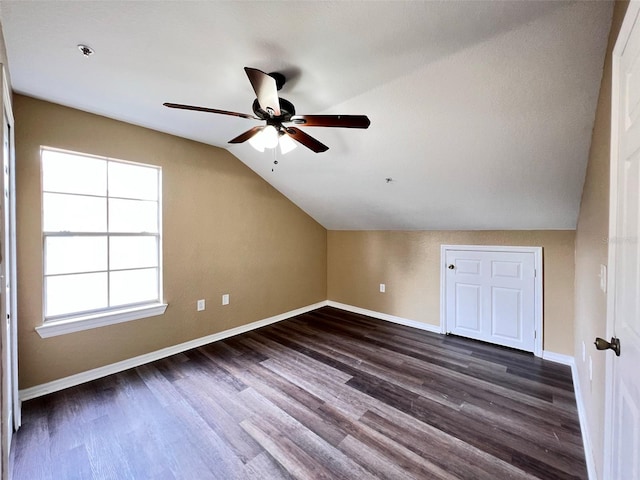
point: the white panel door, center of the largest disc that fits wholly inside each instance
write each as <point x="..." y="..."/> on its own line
<point x="623" y="455"/>
<point x="490" y="296"/>
<point x="8" y="345"/>
<point x="5" y="289"/>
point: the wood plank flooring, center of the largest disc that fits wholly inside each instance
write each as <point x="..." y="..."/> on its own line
<point x="325" y="395"/>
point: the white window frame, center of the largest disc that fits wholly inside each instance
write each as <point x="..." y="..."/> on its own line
<point x="69" y="323"/>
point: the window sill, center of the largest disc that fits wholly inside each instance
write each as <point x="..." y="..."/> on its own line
<point x="77" y="324"/>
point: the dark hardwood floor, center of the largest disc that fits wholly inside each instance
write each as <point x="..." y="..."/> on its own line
<point x="325" y="395"/>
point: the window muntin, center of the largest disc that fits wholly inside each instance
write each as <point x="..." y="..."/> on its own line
<point x="101" y="234"/>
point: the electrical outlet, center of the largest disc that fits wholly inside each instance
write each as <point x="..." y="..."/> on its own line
<point x="225" y="299"/>
<point x="200" y="305"/>
<point x="382" y="288"/>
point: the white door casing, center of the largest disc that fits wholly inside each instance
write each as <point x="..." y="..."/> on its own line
<point x="10" y="401"/>
<point x="493" y="294"/>
<point x="5" y="285"/>
<point x="622" y="405"/>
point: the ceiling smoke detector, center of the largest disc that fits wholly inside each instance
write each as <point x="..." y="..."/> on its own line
<point x="86" y="50"/>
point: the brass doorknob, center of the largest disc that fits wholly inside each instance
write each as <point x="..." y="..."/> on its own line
<point x="614" y="344"/>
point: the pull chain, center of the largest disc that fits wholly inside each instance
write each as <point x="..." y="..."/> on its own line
<point x="275" y="161"/>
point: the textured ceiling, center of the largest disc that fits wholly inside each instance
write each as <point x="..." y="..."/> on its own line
<point x="481" y="112"/>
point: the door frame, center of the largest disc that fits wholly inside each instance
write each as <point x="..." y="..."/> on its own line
<point x="13" y="242"/>
<point x="633" y="11"/>
<point x="10" y="399"/>
<point x="538" y="292"/>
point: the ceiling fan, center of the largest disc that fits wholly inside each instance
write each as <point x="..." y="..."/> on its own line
<point x="277" y="113"/>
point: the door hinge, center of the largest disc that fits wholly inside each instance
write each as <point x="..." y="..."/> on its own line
<point x="535" y="273"/>
<point x="535" y="334"/>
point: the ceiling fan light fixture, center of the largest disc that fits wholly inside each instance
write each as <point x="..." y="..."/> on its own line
<point x="270" y="136"/>
<point x="286" y="144"/>
<point x="257" y="141"/>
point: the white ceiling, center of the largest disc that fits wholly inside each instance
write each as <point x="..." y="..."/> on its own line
<point x="481" y="112"/>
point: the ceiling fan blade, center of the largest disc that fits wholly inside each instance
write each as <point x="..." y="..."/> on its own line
<point x="243" y="137"/>
<point x="208" y="110"/>
<point x="306" y="140"/>
<point x="266" y="90"/>
<point x="342" y="121"/>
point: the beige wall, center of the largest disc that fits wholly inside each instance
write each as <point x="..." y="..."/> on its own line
<point x="409" y="264"/>
<point x="228" y="231"/>
<point x="591" y="252"/>
<point x="225" y="231"/>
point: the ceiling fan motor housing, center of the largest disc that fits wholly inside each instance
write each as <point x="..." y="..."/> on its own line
<point x="287" y="110"/>
<point x="279" y="78"/>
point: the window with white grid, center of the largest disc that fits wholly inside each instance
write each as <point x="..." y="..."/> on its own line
<point x="101" y="224"/>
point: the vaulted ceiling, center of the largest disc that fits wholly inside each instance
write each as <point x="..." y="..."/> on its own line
<point x="481" y="111"/>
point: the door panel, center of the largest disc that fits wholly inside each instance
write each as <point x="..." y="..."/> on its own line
<point x="468" y="307"/>
<point x="626" y="444"/>
<point x="623" y="401"/>
<point x="5" y="276"/>
<point x="467" y="266"/>
<point x="506" y="310"/>
<point x="506" y="269"/>
<point x="490" y="296"/>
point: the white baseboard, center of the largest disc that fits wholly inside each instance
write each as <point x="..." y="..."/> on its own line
<point x="79" y="378"/>
<point x="558" y="358"/>
<point x="584" y="428"/>
<point x="582" y="414"/>
<point x="385" y="316"/>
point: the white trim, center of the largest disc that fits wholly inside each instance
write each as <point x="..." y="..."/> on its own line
<point x="582" y="412"/>
<point x="538" y="287"/>
<point x="79" y="378"/>
<point x="17" y="413"/>
<point x="443" y="291"/>
<point x="558" y="358"/>
<point x="10" y="405"/>
<point x="584" y="425"/>
<point x="385" y="316"/>
<point x="76" y="324"/>
<point x="8" y="106"/>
